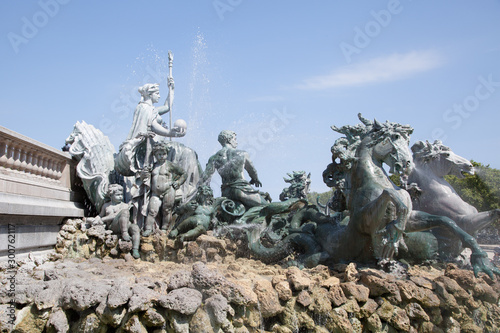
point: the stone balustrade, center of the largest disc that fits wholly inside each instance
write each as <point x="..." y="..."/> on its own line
<point x="38" y="190"/>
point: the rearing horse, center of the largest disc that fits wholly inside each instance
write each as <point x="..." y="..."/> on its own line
<point x="433" y="161"/>
<point x="380" y="212"/>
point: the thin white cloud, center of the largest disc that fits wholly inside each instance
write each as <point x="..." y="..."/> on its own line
<point x="267" y="99"/>
<point x="389" y="68"/>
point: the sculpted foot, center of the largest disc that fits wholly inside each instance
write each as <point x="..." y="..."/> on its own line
<point x="135" y="253"/>
<point x="173" y="233"/>
<point x="126" y="237"/>
<point x="147" y="232"/>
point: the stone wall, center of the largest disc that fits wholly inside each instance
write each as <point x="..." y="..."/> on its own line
<point x="37" y="192"/>
<point x="209" y="286"/>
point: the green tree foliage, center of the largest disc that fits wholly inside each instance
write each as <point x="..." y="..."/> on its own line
<point x="481" y="190"/>
<point x="323" y="197"/>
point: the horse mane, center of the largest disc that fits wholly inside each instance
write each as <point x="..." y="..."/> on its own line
<point x="344" y="149"/>
<point x="426" y="151"/>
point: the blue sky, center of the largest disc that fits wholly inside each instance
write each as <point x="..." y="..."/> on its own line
<point x="278" y="73"/>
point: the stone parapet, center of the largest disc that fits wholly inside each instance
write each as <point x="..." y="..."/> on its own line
<point x="37" y="191"/>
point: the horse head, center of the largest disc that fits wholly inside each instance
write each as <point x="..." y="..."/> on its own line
<point x="441" y="159"/>
<point x="390" y="145"/>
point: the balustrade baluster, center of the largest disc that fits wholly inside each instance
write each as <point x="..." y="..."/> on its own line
<point x="10" y="154"/>
<point x="22" y="158"/>
<point x="29" y="161"/>
<point x="3" y="153"/>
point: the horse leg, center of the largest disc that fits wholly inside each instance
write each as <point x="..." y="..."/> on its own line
<point x="420" y="221"/>
<point x="385" y="229"/>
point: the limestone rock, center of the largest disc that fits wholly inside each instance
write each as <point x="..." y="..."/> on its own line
<point x="284" y="291"/>
<point x="152" y="318"/>
<point x="379" y="286"/>
<point x="30" y="320"/>
<point x="184" y="300"/>
<point x="142" y="298"/>
<point x="304" y="298"/>
<point x="200" y="322"/>
<point x="111" y="316"/>
<point x="368" y="308"/>
<point x="88" y="322"/>
<point x="416" y="312"/>
<point x="298" y="279"/>
<point x="80" y="295"/>
<point x="119" y="293"/>
<point x="268" y="298"/>
<point x="180" y="279"/>
<point x="58" y="322"/>
<point x="217" y="309"/>
<point x="134" y="325"/>
<point x="336" y="295"/>
<point x="359" y="292"/>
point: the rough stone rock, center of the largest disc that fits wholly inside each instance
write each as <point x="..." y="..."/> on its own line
<point x="88" y="322"/>
<point x="5" y="316"/>
<point x="453" y="287"/>
<point x="464" y="278"/>
<point x="180" y="279"/>
<point x="357" y="327"/>
<point x="58" y="322"/>
<point x="80" y="295"/>
<point x="373" y="323"/>
<point x="385" y="310"/>
<point x="330" y="282"/>
<point x="400" y="320"/>
<point x="217" y="309"/>
<point x="304" y="298"/>
<point x="30" y="320"/>
<point x="368" y="308"/>
<point x="111" y="316"/>
<point x="142" y="298"/>
<point x="351" y="306"/>
<point x="336" y="295"/>
<point x="200" y="322"/>
<point x="485" y="292"/>
<point x="340" y="322"/>
<point x="351" y="273"/>
<point x="284" y="291"/>
<point x="320" y="304"/>
<point x="177" y="323"/>
<point x="416" y="312"/>
<point x="268" y="298"/>
<point x="410" y="292"/>
<point x="448" y="302"/>
<point x="124" y="246"/>
<point x="297" y="278"/>
<point x="380" y="286"/>
<point x="184" y="300"/>
<point x="119" y="294"/>
<point x="241" y="293"/>
<point x="359" y="292"/>
<point x="49" y="297"/>
<point x="206" y="242"/>
<point x="25" y="293"/>
<point x="69" y="228"/>
<point x="205" y="279"/>
<point x="428" y="327"/>
<point x="97" y="231"/>
<point x="152" y="318"/>
<point x="133" y="325"/>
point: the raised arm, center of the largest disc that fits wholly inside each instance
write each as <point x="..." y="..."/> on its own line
<point x="170" y="98"/>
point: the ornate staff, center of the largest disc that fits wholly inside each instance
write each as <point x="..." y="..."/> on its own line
<point x="170" y="88"/>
